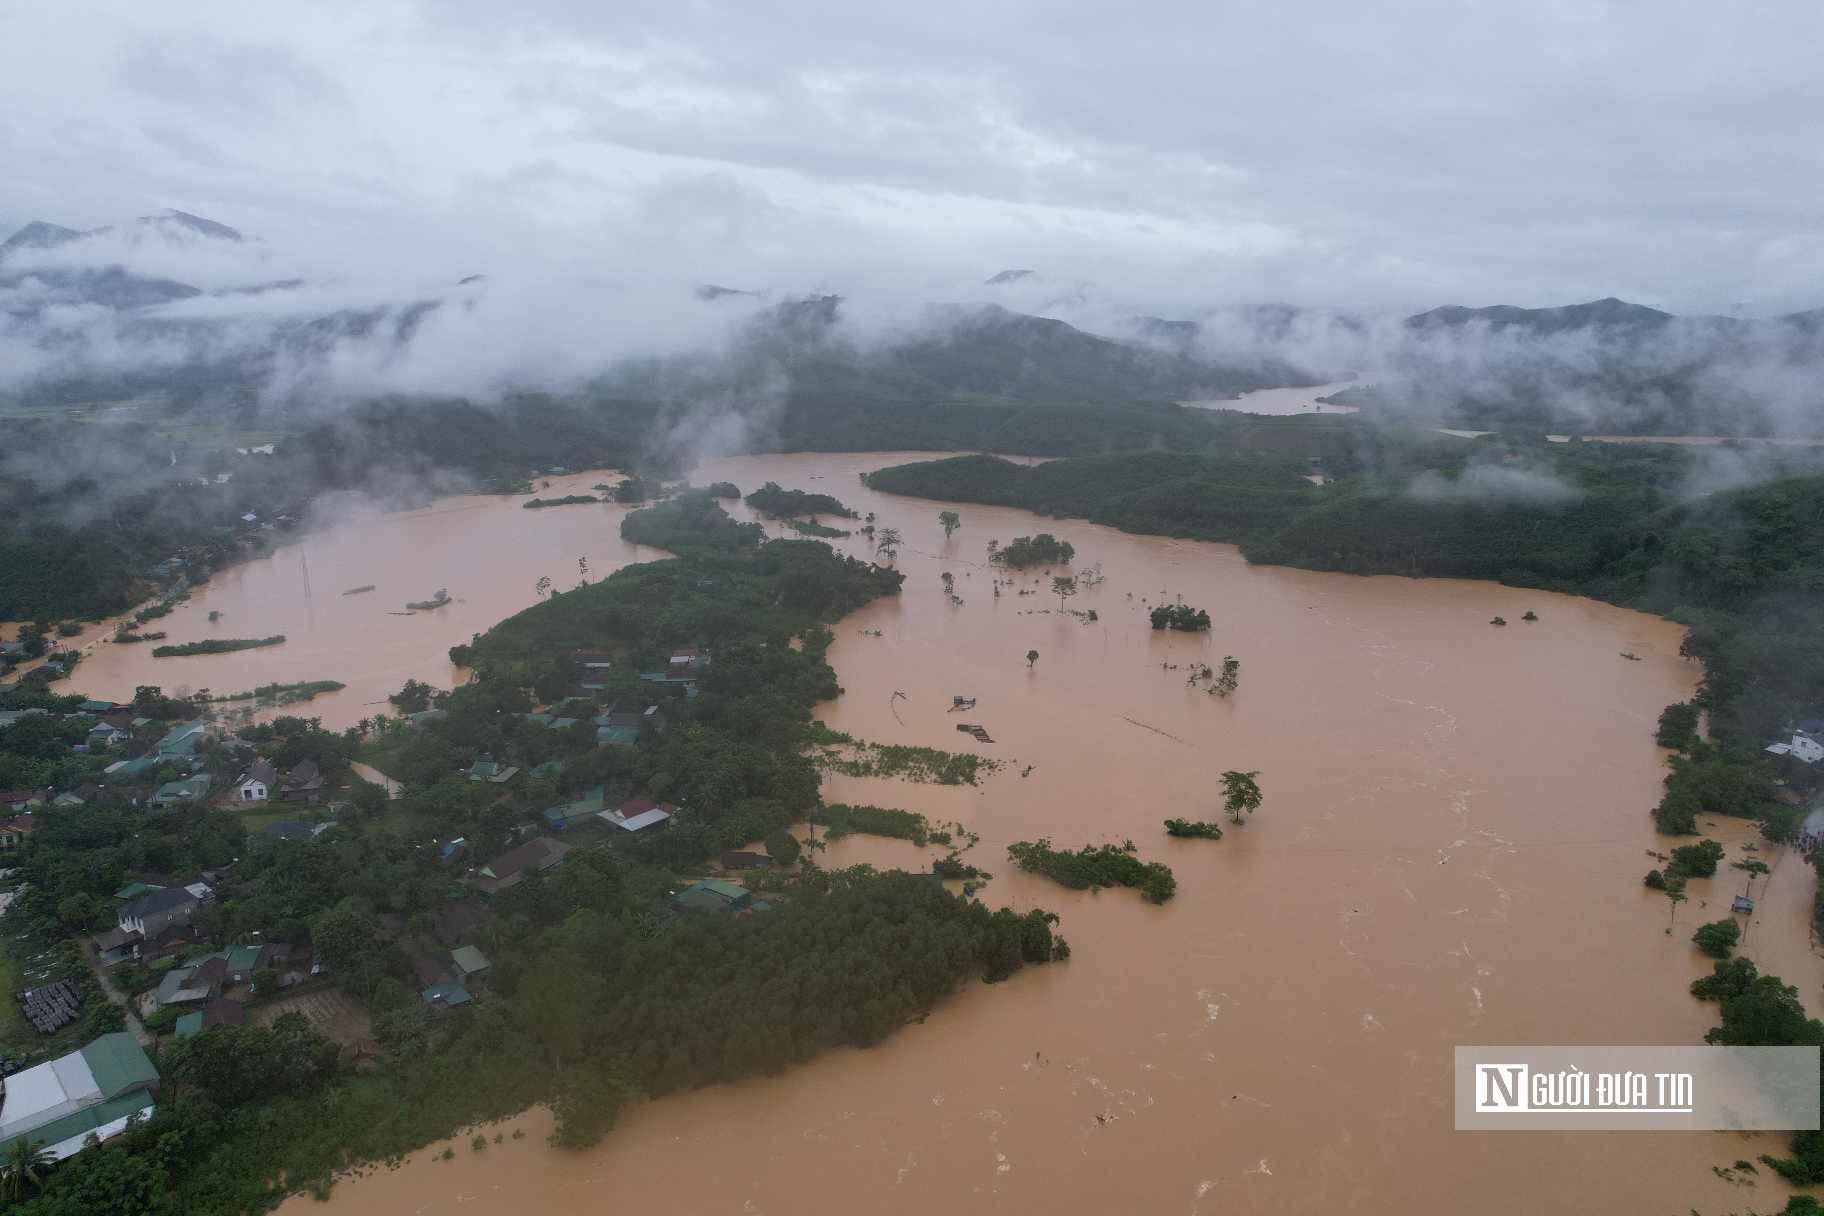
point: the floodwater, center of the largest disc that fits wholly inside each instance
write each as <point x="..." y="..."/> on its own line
<point x="485" y="550"/>
<point x="1450" y="852"/>
<point x="1282" y="401"/>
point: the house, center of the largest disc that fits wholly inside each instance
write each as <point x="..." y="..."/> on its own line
<point x="92" y="1092"/>
<point x="449" y="850"/>
<point x="14" y="832"/>
<point x="302" y="784"/>
<point x="446" y="996"/>
<point x="511" y="867"/>
<point x="1742" y="904"/>
<point x="617" y="728"/>
<point x="105" y="735"/>
<point x="258" y="782"/>
<point x="148" y="915"/>
<point x="130" y="770"/>
<point x="190" y="789"/>
<point x="471" y="966"/>
<point x="188" y="985"/>
<point x="69" y="800"/>
<point x="97" y="707"/>
<point x="219" y="1012"/>
<point x="687" y="658"/>
<point x="487" y="770"/>
<point x="117" y="945"/>
<point x="18" y="800"/>
<point x="588" y="803"/>
<point x="712" y="895"/>
<point x="745" y="861"/>
<point x="638" y="815"/>
<point x="592" y="667"/>
<point x="181" y="741"/>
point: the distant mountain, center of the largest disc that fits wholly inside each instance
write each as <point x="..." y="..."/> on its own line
<point x="1605" y="314"/>
<point x="1607" y="366"/>
<point x="1006" y="276"/>
<point x="39" y="235"/>
<point x="183" y="221"/>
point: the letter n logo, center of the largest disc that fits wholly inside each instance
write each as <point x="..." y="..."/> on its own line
<point x="1500" y="1088"/>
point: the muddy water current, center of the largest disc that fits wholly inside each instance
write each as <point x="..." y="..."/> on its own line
<point x="1450" y="852"/>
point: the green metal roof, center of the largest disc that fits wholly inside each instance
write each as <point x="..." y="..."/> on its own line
<point x="450" y="994"/>
<point x="469" y="960"/>
<point x="119" y="1064"/>
<point x="727" y="890"/>
<point x="85" y="1120"/>
<point x="134" y="890"/>
<point x="242" y="959"/>
<point x="189" y="1024"/>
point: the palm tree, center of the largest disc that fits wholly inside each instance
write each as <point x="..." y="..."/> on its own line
<point x="24" y="1165"/>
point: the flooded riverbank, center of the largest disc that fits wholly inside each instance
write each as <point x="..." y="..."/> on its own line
<point x="1450" y="852"/>
<point x="1279" y="402"/>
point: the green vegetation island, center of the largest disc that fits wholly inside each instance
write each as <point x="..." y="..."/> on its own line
<point x="215" y="646"/>
<point x="770" y="499"/>
<point x="568" y="500"/>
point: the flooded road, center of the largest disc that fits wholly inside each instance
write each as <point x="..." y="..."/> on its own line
<point x="1450" y="852"/>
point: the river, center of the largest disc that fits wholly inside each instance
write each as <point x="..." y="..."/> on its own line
<point x="1450" y="852"/>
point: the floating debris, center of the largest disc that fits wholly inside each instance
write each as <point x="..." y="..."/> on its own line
<point x="361" y="590"/>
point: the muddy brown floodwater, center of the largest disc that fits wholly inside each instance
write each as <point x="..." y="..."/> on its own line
<point x="1450" y="852"/>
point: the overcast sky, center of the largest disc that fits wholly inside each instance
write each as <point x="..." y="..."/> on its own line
<point x="1321" y="151"/>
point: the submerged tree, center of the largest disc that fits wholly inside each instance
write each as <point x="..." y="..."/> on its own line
<point x="886" y="543"/>
<point x="541" y="586"/>
<point x="1032" y="656"/>
<point x="1240" y="793"/>
<point x="950" y="521"/>
<point x="1230" y="679"/>
<point x="1063" y="587"/>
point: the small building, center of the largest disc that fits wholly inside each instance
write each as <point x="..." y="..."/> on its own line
<point x="188" y="790"/>
<point x="92" y="1092"/>
<point x="104" y="735"/>
<point x="592" y="668"/>
<point x="487" y="770"/>
<point x="1742" y="904"/>
<point x="258" y="782"/>
<point x="638" y="815"/>
<point x="182" y="741"/>
<point x="302" y="784"/>
<point x="117" y="945"/>
<point x="446" y="996"/>
<point x="588" y="803"/>
<point x="736" y="860"/>
<point x="130" y="770"/>
<point x="219" y="1012"/>
<point x="288" y="829"/>
<point x="510" y="868"/>
<point x="191" y="984"/>
<point x="712" y="895"/>
<point x="471" y="965"/>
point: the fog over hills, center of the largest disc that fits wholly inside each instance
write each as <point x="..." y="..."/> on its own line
<point x="187" y="310"/>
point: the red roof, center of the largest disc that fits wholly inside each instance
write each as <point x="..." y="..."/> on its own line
<point x="7" y="797"/>
<point x="637" y="806"/>
<point x="687" y="652"/>
<point x="18" y="823"/>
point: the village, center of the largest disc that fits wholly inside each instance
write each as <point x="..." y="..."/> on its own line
<point x="168" y="957"/>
